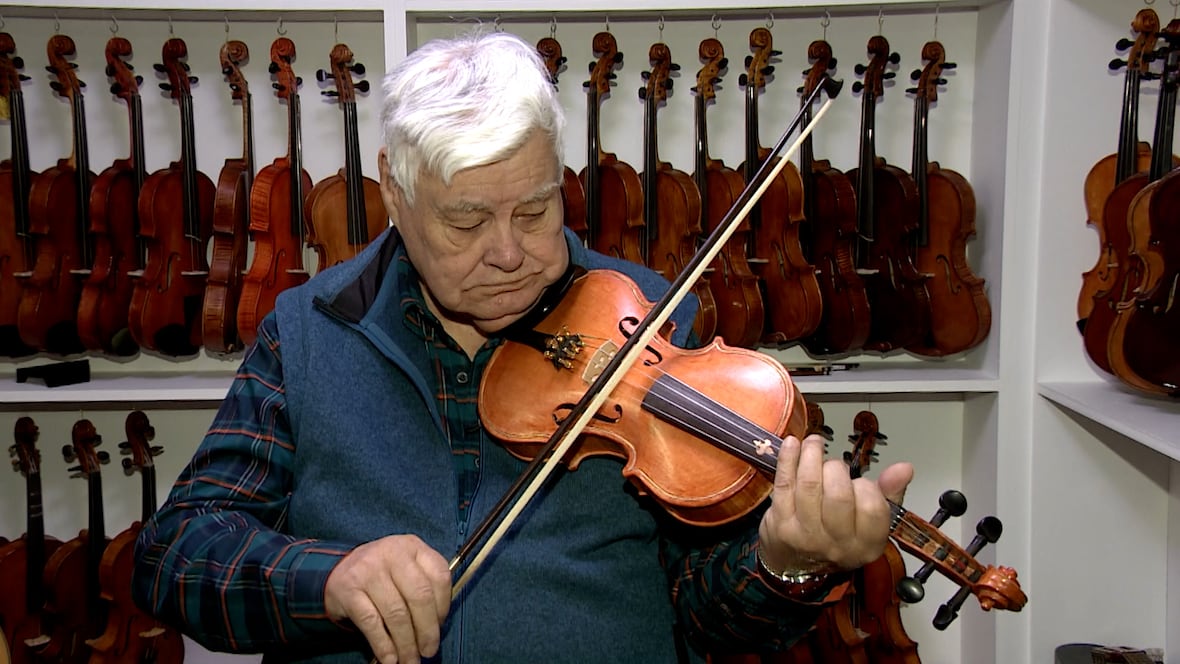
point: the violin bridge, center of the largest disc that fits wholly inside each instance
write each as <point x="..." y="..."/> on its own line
<point x="601" y="358"/>
<point x="563" y="347"/>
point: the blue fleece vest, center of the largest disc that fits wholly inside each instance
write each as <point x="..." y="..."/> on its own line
<point x="577" y="579"/>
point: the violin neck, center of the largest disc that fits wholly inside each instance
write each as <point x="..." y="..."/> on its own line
<point x="1125" y="164"/>
<point x="806" y="166"/>
<point x="34" y="544"/>
<point x="148" y="491"/>
<point x="248" y="141"/>
<point x="753" y="160"/>
<point x="138" y="157"/>
<point x="82" y="174"/>
<point x="920" y="164"/>
<point x="866" y="210"/>
<point x="96" y="542"/>
<point x="928" y="543"/>
<point x="358" y="228"/>
<point x="1165" y="121"/>
<point x="21" y="174"/>
<point x="295" y="154"/>
<point x="651" y="204"/>
<point x="593" y="159"/>
<point x="700" y="151"/>
<point x="188" y="160"/>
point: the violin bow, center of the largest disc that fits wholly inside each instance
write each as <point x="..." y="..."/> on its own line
<point x="550" y="455"/>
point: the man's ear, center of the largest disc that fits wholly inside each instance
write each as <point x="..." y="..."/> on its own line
<point x="391" y="194"/>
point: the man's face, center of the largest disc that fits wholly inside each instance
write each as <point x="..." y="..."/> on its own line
<point x="488" y="244"/>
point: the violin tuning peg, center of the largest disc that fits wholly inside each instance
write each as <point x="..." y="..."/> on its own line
<point x="115" y="88"/>
<point x="950" y="503"/>
<point x="110" y="71"/>
<point x="674" y="67"/>
<point x="76" y="475"/>
<point x="184" y="66"/>
<point x="273" y="68"/>
<point x="910" y="590"/>
<point x="226" y="71"/>
<point x="618" y="57"/>
<point x="12" y="450"/>
<point x="888" y="75"/>
<point x="298" y="81"/>
<point x="941" y="81"/>
<point x="321" y="75"/>
<point x="157" y="450"/>
<point x="831" y="63"/>
<point x="56" y="87"/>
<point x="774" y="53"/>
<point x="916" y="74"/>
<point x="723" y="63"/>
<point x="857" y="86"/>
<point x="1116" y="64"/>
<point x="860" y="69"/>
<point x="67" y="453"/>
<point x="894" y="57"/>
<point x="590" y="67"/>
<point x="97" y="440"/>
<point x="160" y="68"/>
<point x="16" y="464"/>
<point x="799" y="89"/>
<point x="806" y="72"/>
<point x="81" y="84"/>
<point x="749" y="59"/>
<point x="130" y="67"/>
<point x="742" y="80"/>
<point x="612" y="76"/>
<point x="49" y="69"/>
<point x="359" y="69"/>
<point x="166" y="87"/>
<point x="124" y="447"/>
<point x="767" y="70"/>
<point x="276" y="86"/>
<point x="73" y="65"/>
<point x="128" y="468"/>
<point x="881" y="438"/>
<point x="192" y="80"/>
<point x="139" y="80"/>
<point x="949" y="65"/>
<point x="18" y="62"/>
<point x="24" y="78"/>
<point x="75" y="469"/>
<point x="362" y="86"/>
<point x="716" y="80"/>
<point x="330" y="93"/>
<point x="104" y="457"/>
<point x="1123" y="44"/>
<point x="947" y="613"/>
<point x="668" y="83"/>
<point x="643" y="93"/>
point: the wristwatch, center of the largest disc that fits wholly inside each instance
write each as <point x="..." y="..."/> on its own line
<point x="809" y="587"/>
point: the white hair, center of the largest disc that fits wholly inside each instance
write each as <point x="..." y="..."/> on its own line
<point x="466" y="101"/>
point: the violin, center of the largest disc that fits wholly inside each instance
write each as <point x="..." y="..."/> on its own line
<point x="1141" y="344"/>
<point x="614" y="192"/>
<point x="741" y="313"/>
<point x="114" y="197"/>
<point x="344" y="212"/>
<point x="231" y="218"/>
<point x="829" y="204"/>
<point x="671" y="200"/>
<point x="699" y="430"/>
<point x="793" y="298"/>
<point x="1132" y="156"/>
<point x="16" y="245"/>
<point x="22" y="561"/>
<point x="71" y="574"/>
<point x="277" y="202"/>
<point x="176" y="218"/>
<point x="1124" y="277"/>
<point x="887" y="216"/>
<point x="59" y="218"/>
<point x="132" y="635"/>
<point x="573" y="197"/>
<point x="960" y="314"/>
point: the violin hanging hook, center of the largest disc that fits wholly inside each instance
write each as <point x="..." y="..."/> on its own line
<point x="226" y="17"/>
<point x="608" y="23"/>
<point x="171" y="30"/>
<point x="1175" y="7"/>
<point x="936" y="8"/>
<point x="2" y="22"/>
<point x="716" y="23"/>
<point x="769" y="20"/>
<point x="825" y="22"/>
<point x="335" y="29"/>
<point x="114" y="25"/>
<point x="880" y="20"/>
<point x="553" y="28"/>
<point x="279" y="27"/>
<point x="496" y="24"/>
<point x="660" y="27"/>
<point x="56" y="24"/>
<point x="1149" y="2"/>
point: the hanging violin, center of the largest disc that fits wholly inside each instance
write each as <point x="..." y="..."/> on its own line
<point x="741" y="312"/>
<point x="829" y="204"/>
<point x="277" y="202"/>
<point x="1131" y="157"/>
<point x="344" y="212"/>
<point x="794" y="303"/>
<point x="614" y="193"/>
<point x="573" y="196"/>
<point x="59" y="221"/>
<point x="960" y="314"/>
<point x="176" y="218"/>
<point x="671" y="200"/>
<point x="16" y="245"/>
<point x="114" y="197"/>
<point x="231" y="218"/>
<point x="887" y="216"/>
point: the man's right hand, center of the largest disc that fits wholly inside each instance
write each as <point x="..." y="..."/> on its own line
<point x="397" y="591"/>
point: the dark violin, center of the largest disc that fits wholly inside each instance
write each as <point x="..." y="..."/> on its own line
<point x="671" y="200"/>
<point x="699" y="430"/>
<point x="794" y="304"/>
<point x="741" y="312"/>
<point x="22" y="561"/>
<point x="614" y="193"/>
<point x="132" y="636"/>
<point x="231" y="218"/>
<point x="16" y="245"/>
<point x="960" y="314"/>
<point x="277" y="202"/>
<point x="59" y="221"/>
<point x="573" y="197"/>
<point x="114" y="196"/>
<point x="344" y="212"/>
<point x="1131" y="157"/>
<point x="175" y="221"/>
<point x="887" y="216"/>
<point x="829" y="204"/>
<point x="71" y="575"/>
<point x="1141" y="345"/>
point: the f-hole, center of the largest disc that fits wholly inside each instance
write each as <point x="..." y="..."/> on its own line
<point x="627" y="328"/>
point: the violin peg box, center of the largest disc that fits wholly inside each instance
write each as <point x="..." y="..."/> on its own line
<point x="56" y="375"/>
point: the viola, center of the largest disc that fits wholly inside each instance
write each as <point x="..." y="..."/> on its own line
<point x="1132" y="156"/>
<point x="59" y="218"/>
<point x="114" y="197"/>
<point x="573" y="197"/>
<point x="671" y="200"/>
<point x="71" y="575"/>
<point x="794" y="303"/>
<point x="132" y="636"/>
<point x="1125" y="276"/>
<point x="277" y="202"/>
<point x="175" y="217"/>
<point x="960" y="314"/>
<point x="829" y="204"/>
<point x="16" y="245"/>
<point x="887" y="216"/>
<point x="344" y="212"/>
<point x="614" y="193"/>
<point x="741" y="312"/>
<point x="231" y="218"/>
<point x="22" y="561"/>
<point x="699" y="430"/>
<point x="1141" y="344"/>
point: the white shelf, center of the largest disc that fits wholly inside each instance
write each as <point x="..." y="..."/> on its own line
<point x="680" y="6"/>
<point x="160" y="387"/>
<point x="1152" y="421"/>
<point x="178" y="10"/>
<point x="896" y="378"/>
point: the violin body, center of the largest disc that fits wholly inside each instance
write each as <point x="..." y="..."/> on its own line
<point x="327" y="218"/>
<point x="231" y="220"/>
<point x="47" y="317"/>
<point x="18" y="622"/>
<point x="620" y="230"/>
<point x="165" y="313"/>
<point x="106" y="295"/>
<point x="741" y="312"/>
<point x="887" y="641"/>
<point x="71" y="620"/>
<point x="16" y="255"/>
<point x="573" y="203"/>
